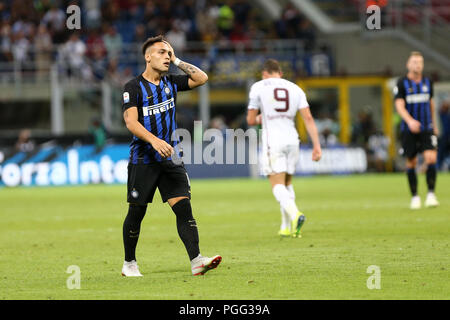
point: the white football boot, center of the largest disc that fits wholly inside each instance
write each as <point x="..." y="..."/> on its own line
<point x="130" y="269"/>
<point x="415" y="203"/>
<point x="201" y="265"/>
<point x="431" y="200"/>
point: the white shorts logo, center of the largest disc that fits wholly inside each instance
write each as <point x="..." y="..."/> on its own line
<point x="126" y="97"/>
<point x="434" y="141"/>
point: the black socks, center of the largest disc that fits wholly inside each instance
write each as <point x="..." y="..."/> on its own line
<point x="431" y="177"/>
<point x="187" y="227"/>
<point x="412" y="180"/>
<point x="131" y="229"/>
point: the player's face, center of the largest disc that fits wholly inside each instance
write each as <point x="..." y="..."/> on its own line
<point x="159" y="57"/>
<point x="415" y="64"/>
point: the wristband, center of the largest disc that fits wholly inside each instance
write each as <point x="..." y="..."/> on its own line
<point x="177" y="62"/>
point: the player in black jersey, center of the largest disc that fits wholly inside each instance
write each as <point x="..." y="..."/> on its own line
<point x="414" y="103"/>
<point x="149" y="111"/>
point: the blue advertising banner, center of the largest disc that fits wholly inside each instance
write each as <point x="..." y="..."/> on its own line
<point x="57" y="166"/>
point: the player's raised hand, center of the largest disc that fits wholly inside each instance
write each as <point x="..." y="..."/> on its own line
<point x="162" y="147"/>
<point x="414" y="126"/>
<point x="172" y="55"/>
<point x="316" y="154"/>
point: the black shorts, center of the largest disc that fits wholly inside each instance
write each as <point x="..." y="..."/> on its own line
<point x="414" y="143"/>
<point x="171" y="179"/>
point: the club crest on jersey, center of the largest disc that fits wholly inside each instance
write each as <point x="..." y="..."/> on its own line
<point x="167" y="90"/>
<point x="424" y="88"/>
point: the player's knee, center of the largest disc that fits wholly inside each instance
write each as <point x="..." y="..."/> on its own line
<point x="430" y="157"/>
<point x="174" y="201"/>
<point x="183" y="209"/>
<point x="136" y="213"/>
<point x="411" y="162"/>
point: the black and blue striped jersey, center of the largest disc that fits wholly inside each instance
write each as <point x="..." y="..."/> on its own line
<point x="417" y="98"/>
<point x="156" y="104"/>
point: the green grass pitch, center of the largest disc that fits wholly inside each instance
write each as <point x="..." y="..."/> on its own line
<point x="353" y="222"/>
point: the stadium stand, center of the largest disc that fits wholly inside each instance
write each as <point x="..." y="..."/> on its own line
<point x="43" y="63"/>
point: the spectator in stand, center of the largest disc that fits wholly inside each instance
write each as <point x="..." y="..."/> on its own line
<point x="113" y="42"/>
<point x="72" y="56"/>
<point x="95" y="45"/>
<point x="5" y="42"/>
<point x="140" y="34"/>
<point x="24" y="142"/>
<point x="177" y="37"/>
<point x="305" y="32"/>
<point x="20" y="49"/>
<point x="25" y="26"/>
<point x="206" y="21"/>
<point x="239" y="35"/>
<point x="151" y="19"/>
<point x="55" y="20"/>
<point x="289" y="22"/>
<point x="43" y="51"/>
<point x="378" y="151"/>
<point x="225" y="20"/>
<point x="364" y="128"/>
<point x="254" y="33"/>
<point x="241" y="10"/>
<point x="112" y="72"/>
<point x="328" y="129"/>
<point x="98" y="132"/>
<point x="110" y="11"/>
<point x="93" y="14"/>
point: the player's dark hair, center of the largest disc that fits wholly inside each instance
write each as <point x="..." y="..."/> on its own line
<point x="271" y="66"/>
<point x="150" y="41"/>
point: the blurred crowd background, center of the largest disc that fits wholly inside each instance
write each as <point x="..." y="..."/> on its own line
<point x="45" y="66"/>
<point x="34" y="32"/>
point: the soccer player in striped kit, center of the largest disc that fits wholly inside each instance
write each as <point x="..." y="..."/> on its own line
<point x="414" y="103"/>
<point x="149" y="111"/>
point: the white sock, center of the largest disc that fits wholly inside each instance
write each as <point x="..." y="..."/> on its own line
<point x="285" y="219"/>
<point x="287" y="203"/>
<point x="290" y="188"/>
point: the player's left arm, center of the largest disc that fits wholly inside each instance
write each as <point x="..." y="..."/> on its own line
<point x="432" y="109"/>
<point x="312" y="132"/>
<point x="254" y="106"/>
<point x="253" y="118"/>
<point x="433" y="118"/>
<point x="197" y="77"/>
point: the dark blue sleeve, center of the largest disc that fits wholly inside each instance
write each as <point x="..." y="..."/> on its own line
<point x="130" y="97"/>
<point x="399" y="91"/>
<point x="181" y="81"/>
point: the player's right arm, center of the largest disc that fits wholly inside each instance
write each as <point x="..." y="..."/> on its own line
<point x="131" y="118"/>
<point x="254" y="105"/>
<point x="400" y="106"/>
